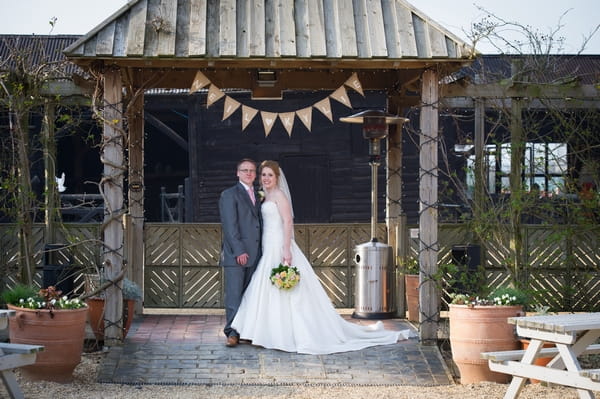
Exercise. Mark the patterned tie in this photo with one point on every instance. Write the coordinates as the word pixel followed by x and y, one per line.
pixel 251 194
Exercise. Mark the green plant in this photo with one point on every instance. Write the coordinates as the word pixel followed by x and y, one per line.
pixel 47 298
pixel 503 296
pixel 19 291
pixel 460 279
pixel 408 265
pixel 541 310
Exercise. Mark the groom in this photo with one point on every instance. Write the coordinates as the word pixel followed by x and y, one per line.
pixel 241 224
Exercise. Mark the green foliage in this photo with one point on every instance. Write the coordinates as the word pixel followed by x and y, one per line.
pixel 47 298
pixel 503 296
pixel 461 280
pixel 509 296
pixel 409 265
pixel 20 291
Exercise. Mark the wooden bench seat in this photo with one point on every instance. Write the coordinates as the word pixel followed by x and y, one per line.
pixel 13 356
pixel 503 356
pixel 19 348
pixel 593 374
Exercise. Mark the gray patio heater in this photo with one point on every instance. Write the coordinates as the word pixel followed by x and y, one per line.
pixel 374 283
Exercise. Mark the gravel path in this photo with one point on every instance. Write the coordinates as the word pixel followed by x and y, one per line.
pixel 84 385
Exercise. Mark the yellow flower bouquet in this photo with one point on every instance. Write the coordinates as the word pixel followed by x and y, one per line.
pixel 285 277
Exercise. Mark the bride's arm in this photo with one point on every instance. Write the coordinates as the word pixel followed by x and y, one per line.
pixel 285 210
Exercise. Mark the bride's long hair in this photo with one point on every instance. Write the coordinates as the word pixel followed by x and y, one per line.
pixel 281 180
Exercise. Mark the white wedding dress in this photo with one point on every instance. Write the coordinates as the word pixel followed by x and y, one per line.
pixel 302 319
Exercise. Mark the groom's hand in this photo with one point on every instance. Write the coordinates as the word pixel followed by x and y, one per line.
pixel 242 259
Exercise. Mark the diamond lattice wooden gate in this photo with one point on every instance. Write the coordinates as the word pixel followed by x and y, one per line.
pixel 182 262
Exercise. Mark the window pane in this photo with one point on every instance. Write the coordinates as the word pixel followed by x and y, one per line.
pixel 557 158
pixel 539 158
pixel 505 184
pixel 491 166
pixel 528 160
pixel 505 158
pixel 555 185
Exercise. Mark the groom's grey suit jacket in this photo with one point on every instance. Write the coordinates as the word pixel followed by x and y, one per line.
pixel 241 224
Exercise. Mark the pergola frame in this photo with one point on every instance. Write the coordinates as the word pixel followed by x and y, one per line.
pixel 392 47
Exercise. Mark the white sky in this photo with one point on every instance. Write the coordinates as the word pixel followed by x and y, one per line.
pixel 81 16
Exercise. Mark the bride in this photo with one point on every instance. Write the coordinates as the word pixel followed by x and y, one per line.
pixel 303 318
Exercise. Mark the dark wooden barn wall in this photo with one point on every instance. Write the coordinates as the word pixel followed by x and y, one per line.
pixel 327 168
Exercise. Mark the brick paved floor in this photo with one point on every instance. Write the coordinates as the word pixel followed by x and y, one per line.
pixel 189 349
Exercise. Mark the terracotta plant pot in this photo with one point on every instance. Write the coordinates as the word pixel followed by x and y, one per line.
pixel 96 316
pixel 540 361
pixel 478 329
pixel 411 286
pixel 62 334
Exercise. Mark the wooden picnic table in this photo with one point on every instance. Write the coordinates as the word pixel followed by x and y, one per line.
pixel 13 356
pixel 572 335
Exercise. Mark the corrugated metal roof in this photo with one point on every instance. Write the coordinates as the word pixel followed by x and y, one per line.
pixel 584 69
pixel 35 50
pixel 262 29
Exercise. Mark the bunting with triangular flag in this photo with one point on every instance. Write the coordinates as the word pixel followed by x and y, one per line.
pixel 200 82
pixel 287 118
pixel 214 94
pixel 269 118
pixel 248 113
pixel 230 107
pixel 325 107
pixel 305 115
pixel 354 83
pixel 341 96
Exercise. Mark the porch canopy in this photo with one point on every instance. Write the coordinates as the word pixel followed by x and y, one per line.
pixel 296 45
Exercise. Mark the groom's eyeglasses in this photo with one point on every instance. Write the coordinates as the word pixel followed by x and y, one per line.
pixel 247 170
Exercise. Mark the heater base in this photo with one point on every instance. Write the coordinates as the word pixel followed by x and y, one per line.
pixel 373 316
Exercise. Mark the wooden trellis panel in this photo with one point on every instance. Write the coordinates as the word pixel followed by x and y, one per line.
pixel 83 251
pixel 194 279
pixel 181 261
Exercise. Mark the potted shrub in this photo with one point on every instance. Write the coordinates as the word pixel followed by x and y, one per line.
pixel 480 325
pixel 131 293
pixel 410 269
pixel 45 317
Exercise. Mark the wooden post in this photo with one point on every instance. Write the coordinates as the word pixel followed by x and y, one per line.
pixel 517 152
pixel 480 167
pixel 49 172
pixel 479 142
pixel 112 188
pixel 135 235
pixel 428 213
pixel 394 204
pixel 194 140
pixel 402 251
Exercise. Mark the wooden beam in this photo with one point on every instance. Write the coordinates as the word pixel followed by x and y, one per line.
pixel 316 79
pixel 366 64
pixel 428 213
pixel 170 133
pixel 506 103
pixel 531 91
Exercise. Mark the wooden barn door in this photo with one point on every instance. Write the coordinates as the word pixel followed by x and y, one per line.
pixel 308 178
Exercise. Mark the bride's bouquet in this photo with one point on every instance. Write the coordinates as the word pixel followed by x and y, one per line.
pixel 285 277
